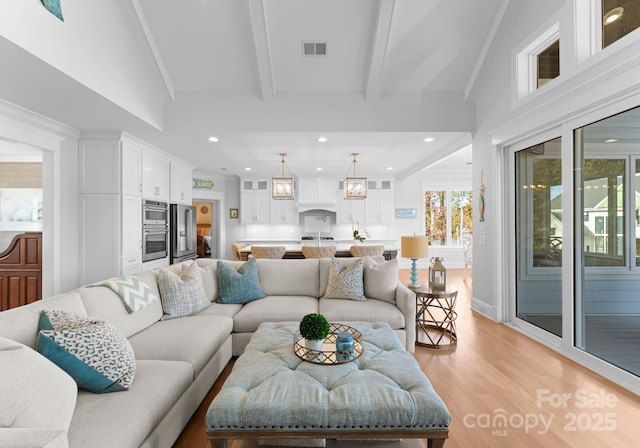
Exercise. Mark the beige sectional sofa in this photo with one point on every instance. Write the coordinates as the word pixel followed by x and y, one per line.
pixel 177 360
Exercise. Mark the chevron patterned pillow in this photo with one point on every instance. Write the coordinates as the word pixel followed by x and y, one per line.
pixel 134 293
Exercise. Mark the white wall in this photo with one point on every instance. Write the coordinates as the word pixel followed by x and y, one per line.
pixel 604 84
pixel 93 45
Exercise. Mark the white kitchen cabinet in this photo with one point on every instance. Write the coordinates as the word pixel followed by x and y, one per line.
pixel 254 201
pixel 181 183
pixel 284 212
pixel 379 202
pixel 110 236
pixel 349 211
pixel 131 228
pixel 316 190
pixel 110 165
pixel 155 175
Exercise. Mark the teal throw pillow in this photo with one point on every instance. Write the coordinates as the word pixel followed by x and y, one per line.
pixel 92 351
pixel 239 286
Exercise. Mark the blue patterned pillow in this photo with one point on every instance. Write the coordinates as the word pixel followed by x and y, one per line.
pixel 345 282
pixel 92 351
pixel 239 286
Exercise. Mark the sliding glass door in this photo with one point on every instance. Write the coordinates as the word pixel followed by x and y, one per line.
pixel 538 231
pixel 607 205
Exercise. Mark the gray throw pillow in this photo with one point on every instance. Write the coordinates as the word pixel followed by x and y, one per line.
pixel 380 279
pixel 181 295
pixel 345 282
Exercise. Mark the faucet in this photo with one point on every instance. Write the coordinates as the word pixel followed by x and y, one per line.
pixel 318 237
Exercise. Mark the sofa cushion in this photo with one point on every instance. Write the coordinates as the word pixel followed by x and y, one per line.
pixel 221 309
pixel 181 294
pixel 21 323
pixel 239 286
pixel 33 438
pixel 92 351
pixel 345 282
pixel 193 339
pixel 289 277
pixel 380 279
pixel 35 393
pixel 125 420
pixel 373 310
pixel 102 303
pixel 135 294
pixel 273 309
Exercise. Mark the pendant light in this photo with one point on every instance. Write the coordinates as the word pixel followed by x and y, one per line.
pixel 283 187
pixel 355 187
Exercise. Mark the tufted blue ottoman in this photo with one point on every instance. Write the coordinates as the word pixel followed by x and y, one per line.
pixel 273 394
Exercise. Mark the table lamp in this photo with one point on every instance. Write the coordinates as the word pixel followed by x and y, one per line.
pixel 414 247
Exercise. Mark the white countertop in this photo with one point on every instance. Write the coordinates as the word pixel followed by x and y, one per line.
pixel 295 247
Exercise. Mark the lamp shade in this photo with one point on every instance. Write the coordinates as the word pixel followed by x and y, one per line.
pixel 414 247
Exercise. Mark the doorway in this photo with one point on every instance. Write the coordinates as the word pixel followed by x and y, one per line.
pixel 207 228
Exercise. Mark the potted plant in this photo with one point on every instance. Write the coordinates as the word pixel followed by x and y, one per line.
pixel 314 328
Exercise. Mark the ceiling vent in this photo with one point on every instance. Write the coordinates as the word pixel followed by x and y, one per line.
pixel 314 48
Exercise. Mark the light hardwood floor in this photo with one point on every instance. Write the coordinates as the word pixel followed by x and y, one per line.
pixel 496 371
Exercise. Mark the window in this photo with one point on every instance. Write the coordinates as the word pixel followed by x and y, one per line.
pixel 538 62
pixel 447 214
pixel 21 209
pixel 619 18
pixel 548 64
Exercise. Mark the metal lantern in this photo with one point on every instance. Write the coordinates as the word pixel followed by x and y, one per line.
pixel 437 274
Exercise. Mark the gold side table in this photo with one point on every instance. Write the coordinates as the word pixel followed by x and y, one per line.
pixel 436 317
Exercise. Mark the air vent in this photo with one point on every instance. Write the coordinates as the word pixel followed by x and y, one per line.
pixel 314 48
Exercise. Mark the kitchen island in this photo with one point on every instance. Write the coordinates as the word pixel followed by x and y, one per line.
pixel 294 251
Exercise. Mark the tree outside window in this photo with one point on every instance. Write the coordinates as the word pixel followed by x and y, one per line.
pixel 447 214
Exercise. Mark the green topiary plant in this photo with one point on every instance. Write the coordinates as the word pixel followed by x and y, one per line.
pixel 314 327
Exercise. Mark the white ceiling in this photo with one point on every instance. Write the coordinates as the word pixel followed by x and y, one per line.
pixel 373 48
pixel 388 61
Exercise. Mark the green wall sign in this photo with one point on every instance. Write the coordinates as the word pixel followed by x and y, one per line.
pixel 203 184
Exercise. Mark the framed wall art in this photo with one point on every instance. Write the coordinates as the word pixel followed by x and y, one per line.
pixel 406 213
pixel 233 213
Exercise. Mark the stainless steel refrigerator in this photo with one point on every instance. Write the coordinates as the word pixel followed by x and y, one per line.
pixel 183 233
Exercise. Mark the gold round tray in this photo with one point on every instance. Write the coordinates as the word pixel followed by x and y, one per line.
pixel 328 354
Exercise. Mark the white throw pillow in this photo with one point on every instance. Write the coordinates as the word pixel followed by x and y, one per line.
pixel 380 279
pixel 345 282
pixel 182 295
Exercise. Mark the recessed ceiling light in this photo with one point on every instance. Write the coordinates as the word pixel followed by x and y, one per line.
pixel 429 139
pixel 319 168
pixel 613 15
pixel 213 139
pixel 322 139
pixel 389 168
pixel 247 169
pixel 611 140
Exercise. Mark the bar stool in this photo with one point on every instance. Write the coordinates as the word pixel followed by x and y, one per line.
pixel 268 251
pixel 235 247
pixel 367 250
pixel 318 251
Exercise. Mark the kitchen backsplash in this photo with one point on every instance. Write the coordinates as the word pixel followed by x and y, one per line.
pixel 295 232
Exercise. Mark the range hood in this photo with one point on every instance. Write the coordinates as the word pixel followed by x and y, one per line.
pixel 320 206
